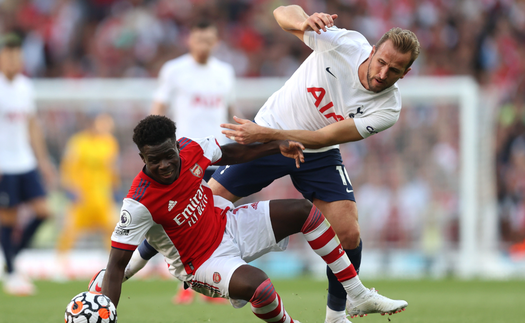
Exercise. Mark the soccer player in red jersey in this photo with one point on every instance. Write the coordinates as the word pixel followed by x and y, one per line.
pixel 206 241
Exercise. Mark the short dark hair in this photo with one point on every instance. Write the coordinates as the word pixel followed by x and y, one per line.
pixel 203 24
pixel 10 40
pixel 153 130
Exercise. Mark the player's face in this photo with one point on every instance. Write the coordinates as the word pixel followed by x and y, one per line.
pixel 11 61
pixel 201 43
pixel 162 161
pixel 387 65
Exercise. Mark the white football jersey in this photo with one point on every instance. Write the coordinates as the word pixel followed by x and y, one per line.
pixel 198 95
pixel 326 89
pixel 16 106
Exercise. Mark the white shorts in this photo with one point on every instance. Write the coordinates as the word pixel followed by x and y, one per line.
pixel 248 236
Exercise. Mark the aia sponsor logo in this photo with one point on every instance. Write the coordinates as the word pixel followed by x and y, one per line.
pixel 327 110
pixel 216 277
pixel 197 171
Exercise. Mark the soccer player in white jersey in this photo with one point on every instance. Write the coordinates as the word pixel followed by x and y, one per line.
pixel 23 155
pixel 344 91
pixel 205 239
pixel 197 90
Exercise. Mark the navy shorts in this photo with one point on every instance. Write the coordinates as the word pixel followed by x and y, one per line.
pixel 322 176
pixel 19 188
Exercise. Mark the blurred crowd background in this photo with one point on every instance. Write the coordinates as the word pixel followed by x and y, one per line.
pixel 406 179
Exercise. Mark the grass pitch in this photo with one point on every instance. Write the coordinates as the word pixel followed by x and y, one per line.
pixel 149 301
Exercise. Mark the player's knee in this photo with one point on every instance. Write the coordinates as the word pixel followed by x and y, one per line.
pixel 349 238
pixel 245 281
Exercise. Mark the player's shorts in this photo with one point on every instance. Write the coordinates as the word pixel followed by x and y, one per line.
pixel 322 176
pixel 19 188
pixel 248 235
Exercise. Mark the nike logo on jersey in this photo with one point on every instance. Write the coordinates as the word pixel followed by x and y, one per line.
pixel 328 70
pixel 171 205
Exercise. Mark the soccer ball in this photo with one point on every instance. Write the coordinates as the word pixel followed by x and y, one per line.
pixel 90 307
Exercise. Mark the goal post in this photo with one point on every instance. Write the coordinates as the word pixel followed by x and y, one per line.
pixel 251 93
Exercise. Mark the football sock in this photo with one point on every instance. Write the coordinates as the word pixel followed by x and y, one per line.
pixel 336 293
pixel 267 305
pixel 6 234
pixel 27 234
pixel 322 239
pixel 146 250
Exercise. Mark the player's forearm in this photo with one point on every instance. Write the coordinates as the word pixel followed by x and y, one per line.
pixel 235 153
pixel 158 108
pixel 38 143
pixel 290 17
pixel 112 285
pixel 310 139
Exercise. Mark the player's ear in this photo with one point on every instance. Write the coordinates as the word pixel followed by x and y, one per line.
pixel 142 157
pixel 373 51
pixel 408 69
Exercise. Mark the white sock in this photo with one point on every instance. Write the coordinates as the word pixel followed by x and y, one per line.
pixel 135 264
pixel 354 288
pixel 334 316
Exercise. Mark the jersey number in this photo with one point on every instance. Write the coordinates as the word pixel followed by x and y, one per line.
pixel 344 177
pixel 318 94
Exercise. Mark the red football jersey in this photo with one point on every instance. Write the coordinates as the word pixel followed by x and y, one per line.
pixel 180 220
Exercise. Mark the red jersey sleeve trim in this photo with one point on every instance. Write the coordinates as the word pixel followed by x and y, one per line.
pixel 123 246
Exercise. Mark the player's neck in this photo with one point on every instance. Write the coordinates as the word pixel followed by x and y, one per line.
pixel 200 60
pixel 9 76
pixel 362 72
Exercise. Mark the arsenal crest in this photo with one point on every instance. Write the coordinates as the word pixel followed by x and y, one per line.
pixel 197 171
pixel 216 277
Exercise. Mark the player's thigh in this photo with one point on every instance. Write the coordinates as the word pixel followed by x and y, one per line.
pixel 251 227
pixel 247 178
pixel 213 277
pixel 288 216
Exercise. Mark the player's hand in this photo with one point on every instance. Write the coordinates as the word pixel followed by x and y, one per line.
pixel 246 131
pixel 292 149
pixel 319 21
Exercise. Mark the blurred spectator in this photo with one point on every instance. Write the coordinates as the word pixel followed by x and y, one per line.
pixel 133 38
pixel 23 155
pixel 90 177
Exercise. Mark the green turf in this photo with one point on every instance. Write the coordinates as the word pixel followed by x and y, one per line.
pixel 150 301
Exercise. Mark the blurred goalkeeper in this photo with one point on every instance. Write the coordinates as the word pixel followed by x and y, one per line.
pixel 344 91
pixel 23 158
pixel 90 176
pixel 206 240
